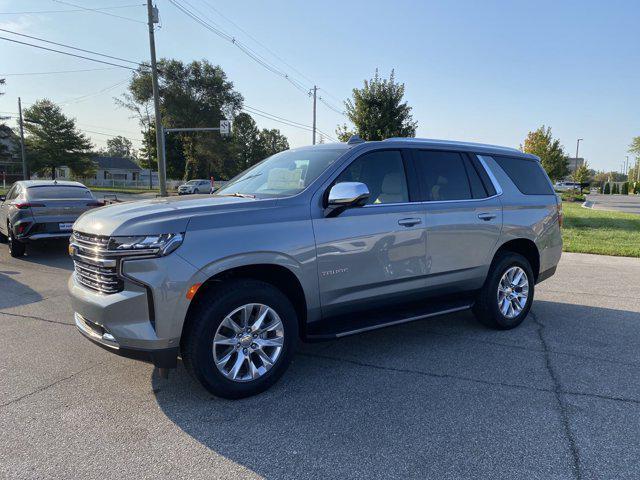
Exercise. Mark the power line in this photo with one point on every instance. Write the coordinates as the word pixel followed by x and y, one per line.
pixel 96 10
pixel 211 7
pixel 245 49
pixel 67 53
pixel 331 107
pixel 88 95
pixel 285 121
pixel 55 72
pixel 71 11
pixel 69 46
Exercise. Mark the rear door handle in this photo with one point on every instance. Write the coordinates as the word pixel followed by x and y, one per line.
pixel 487 216
pixel 409 222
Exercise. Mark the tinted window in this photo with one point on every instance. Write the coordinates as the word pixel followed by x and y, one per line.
pixel 58 192
pixel 383 173
pixel 484 176
pixel 442 176
pixel 527 175
pixel 477 188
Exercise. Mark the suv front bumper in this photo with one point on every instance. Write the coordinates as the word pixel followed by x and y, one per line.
pixel 144 320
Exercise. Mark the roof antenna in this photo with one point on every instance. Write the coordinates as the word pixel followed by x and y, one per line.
pixel 354 139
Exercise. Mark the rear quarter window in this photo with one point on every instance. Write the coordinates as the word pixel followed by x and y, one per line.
pixel 528 175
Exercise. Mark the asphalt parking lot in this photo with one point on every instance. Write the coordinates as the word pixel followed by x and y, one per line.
pixel 558 397
pixel 620 203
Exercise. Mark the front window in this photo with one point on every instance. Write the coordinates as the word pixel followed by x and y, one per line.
pixel 283 174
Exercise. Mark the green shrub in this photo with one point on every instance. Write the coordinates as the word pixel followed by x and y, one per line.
pixel 572 197
pixel 636 188
pixel 607 188
pixel 615 189
pixel 625 188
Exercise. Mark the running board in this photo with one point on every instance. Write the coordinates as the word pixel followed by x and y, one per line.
pixel 450 307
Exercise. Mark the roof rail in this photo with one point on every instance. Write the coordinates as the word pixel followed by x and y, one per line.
pixel 453 143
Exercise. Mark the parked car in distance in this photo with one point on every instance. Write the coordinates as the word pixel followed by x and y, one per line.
pixel 315 243
pixel 41 209
pixel 195 187
pixel 566 186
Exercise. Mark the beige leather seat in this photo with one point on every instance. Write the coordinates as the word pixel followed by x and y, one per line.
pixel 393 189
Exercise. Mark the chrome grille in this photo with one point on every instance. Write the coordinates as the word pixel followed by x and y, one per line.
pixel 92 266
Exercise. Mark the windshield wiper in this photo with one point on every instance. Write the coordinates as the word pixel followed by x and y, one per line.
pixel 237 194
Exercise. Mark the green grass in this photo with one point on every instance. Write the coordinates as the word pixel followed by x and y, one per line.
pixel 601 232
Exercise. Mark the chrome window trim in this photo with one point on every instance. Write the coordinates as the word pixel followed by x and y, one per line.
pixel 492 177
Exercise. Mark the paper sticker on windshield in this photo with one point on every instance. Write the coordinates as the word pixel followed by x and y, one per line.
pixel 284 179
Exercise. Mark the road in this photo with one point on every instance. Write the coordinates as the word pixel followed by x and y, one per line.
pixel 621 203
pixel 559 397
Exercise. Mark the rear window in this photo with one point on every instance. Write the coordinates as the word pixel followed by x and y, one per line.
pixel 526 174
pixel 58 192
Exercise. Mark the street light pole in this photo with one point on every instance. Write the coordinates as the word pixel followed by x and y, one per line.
pixel 577 148
pixel 23 152
pixel 162 170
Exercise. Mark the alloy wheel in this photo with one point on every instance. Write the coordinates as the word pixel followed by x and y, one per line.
pixel 248 342
pixel 513 292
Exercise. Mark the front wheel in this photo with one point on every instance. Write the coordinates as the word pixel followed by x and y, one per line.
pixel 507 294
pixel 16 247
pixel 241 338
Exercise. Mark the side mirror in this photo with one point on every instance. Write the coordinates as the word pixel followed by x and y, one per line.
pixel 345 195
pixel 3 198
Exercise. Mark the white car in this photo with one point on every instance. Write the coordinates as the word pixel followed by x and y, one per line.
pixel 566 186
pixel 195 187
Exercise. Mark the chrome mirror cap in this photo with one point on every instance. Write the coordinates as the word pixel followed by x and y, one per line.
pixel 346 194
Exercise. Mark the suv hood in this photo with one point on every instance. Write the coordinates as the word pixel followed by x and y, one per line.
pixel 159 215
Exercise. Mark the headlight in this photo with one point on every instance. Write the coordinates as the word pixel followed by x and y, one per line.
pixel 153 244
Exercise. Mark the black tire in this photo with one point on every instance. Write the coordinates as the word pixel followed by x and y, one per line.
pixel 196 191
pixel 204 320
pixel 16 247
pixel 486 307
pixel 3 238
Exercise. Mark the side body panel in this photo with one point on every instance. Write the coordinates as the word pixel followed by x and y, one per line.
pixel 534 217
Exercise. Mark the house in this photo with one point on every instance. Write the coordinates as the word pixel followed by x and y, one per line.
pixel 117 168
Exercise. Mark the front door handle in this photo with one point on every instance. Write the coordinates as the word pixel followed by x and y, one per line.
pixel 409 222
pixel 487 216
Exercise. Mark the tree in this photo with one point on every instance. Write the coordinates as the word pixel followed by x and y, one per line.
pixel 541 143
pixel 246 143
pixel 377 111
pixel 582 173
pixel 53 141
pixel 271 142
pixel 197 94
pixel 4 132
pixel 625 188
pixel 120 146
pixel 607 189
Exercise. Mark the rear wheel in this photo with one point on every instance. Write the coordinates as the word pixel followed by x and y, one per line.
pixel 3 238
pixel 16 247
pixel 241 338
pixel 507 294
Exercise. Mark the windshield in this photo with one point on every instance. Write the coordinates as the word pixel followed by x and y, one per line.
pixel 192 182
pixel 283 174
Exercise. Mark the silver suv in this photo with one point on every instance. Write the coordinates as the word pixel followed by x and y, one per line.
pixel 315 243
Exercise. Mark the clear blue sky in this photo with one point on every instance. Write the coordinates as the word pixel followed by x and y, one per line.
pixel 486 71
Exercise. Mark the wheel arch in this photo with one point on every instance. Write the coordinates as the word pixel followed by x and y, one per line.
pixel 525 247
pixel 280 276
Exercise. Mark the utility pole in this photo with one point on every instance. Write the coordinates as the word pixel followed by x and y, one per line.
pixel 315 92
pixel 577 148
pixel 23 152
pixel 162 169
